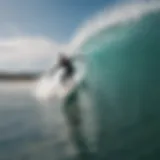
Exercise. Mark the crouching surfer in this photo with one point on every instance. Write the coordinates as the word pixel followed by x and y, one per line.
pixel 67 64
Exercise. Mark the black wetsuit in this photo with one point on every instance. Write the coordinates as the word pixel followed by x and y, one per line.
pixel 69 69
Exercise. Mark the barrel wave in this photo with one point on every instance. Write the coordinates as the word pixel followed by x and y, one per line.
pixel 123 80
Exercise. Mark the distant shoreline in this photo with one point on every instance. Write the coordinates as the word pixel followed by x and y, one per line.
pixel 19 77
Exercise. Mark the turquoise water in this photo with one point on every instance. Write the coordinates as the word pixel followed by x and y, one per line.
pixel 123 75
pixel 114 116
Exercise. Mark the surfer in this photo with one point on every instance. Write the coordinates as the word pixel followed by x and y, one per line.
pixel 67 64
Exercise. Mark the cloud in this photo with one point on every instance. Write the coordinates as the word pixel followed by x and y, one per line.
pixel 27 53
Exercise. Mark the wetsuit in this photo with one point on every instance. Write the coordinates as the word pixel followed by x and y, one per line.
pixel 69 69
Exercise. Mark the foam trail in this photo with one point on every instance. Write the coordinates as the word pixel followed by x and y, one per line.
pixel 46 85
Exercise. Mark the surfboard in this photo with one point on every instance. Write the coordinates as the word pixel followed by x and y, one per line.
pixel 51 86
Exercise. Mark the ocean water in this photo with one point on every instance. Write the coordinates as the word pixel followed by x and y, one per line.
pixel 113 116
pixel 36 130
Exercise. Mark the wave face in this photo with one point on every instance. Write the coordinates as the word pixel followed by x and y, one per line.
pixel 124 80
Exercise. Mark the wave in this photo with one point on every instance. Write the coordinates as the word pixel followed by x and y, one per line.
pixel 121 101
pixel 123 78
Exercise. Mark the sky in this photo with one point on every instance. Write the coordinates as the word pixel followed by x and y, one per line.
pixel 32 31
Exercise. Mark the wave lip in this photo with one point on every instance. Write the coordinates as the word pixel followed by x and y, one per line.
pixel 109 17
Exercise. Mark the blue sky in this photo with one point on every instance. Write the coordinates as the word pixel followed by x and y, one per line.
pixel 31 25
pixel 54 18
